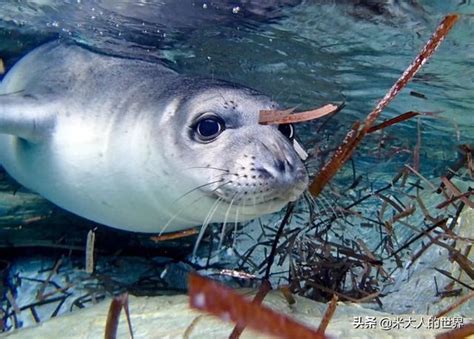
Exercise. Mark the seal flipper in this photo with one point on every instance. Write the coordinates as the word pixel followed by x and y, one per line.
pixel 26 117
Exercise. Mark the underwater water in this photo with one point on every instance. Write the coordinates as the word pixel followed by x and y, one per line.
pixel 304 54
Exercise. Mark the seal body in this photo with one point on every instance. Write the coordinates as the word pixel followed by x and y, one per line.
pixel 136 146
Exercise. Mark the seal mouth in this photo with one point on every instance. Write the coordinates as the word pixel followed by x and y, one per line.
pixel 255 209
pixel 258 204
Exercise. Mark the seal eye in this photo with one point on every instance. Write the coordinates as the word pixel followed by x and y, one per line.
pixel 287 130
pixel 209 128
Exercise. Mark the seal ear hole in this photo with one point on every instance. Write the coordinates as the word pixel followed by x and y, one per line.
pixel 287 130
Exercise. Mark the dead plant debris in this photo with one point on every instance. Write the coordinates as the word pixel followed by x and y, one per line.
pixel 328 315
pixel 464 332
pixel 275 117
pixel 113 316
pixel 175 235
pixel 207 295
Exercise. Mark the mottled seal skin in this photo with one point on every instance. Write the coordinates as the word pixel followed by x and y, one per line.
pixel 121 142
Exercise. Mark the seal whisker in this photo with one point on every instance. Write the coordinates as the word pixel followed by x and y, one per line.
pixel 207 167
pixel 309 199
pixel 275 96
pixel 221 239
pixel 226 183
pixel 185 208
pixel 236 223
pixel 338 213
pixel 321 205
pixel 163 229
pixel 313 208
pixel 222 96
pixel 326 207
pixel 198 187
pixel 205 224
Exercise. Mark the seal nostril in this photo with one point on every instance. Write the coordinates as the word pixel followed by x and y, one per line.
pixel 290 166
pixel 280 165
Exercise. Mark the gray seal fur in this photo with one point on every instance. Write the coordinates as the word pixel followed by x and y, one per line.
pixel 114 140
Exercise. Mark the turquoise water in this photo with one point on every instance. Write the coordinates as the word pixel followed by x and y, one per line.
pixel 304 55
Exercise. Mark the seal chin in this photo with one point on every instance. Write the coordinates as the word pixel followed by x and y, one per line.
pixel 257 210
pixel 298 190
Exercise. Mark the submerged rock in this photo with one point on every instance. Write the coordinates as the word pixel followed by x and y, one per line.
pixel 171 317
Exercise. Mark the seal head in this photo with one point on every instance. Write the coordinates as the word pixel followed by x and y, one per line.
pixel 250 168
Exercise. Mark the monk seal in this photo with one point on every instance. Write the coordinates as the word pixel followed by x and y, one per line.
pixel 137 146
